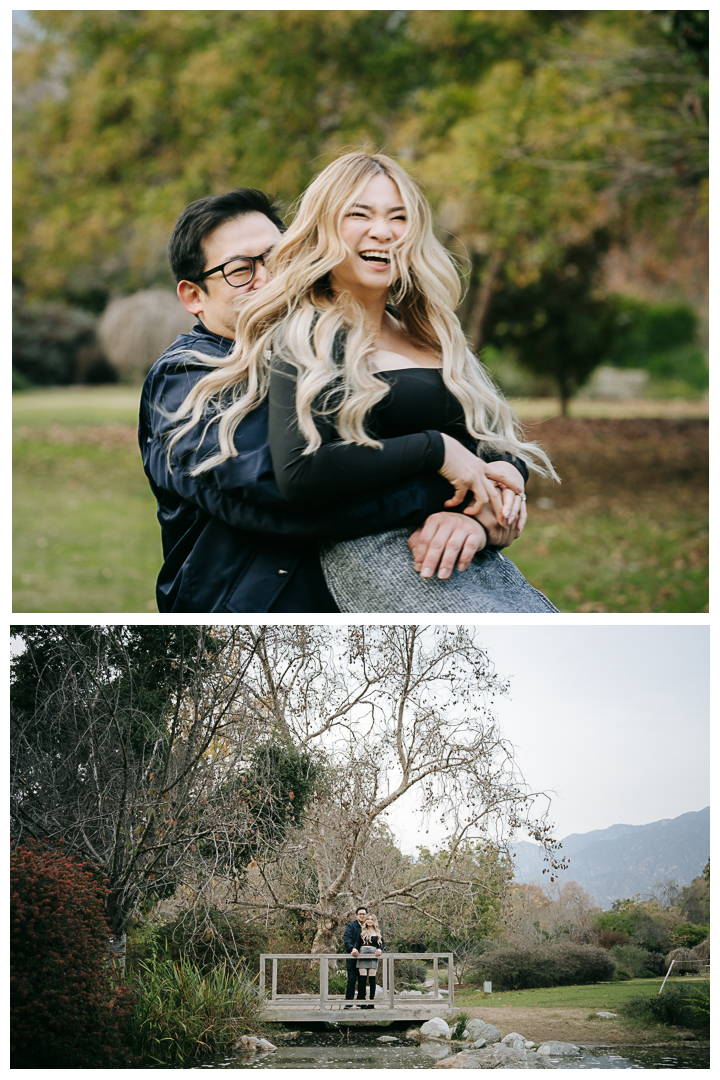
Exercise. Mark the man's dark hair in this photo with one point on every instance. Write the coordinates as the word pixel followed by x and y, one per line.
pixel 361 908
pixel 187 258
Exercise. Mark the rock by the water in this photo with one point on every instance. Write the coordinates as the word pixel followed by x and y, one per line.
pixel 388 1038
pixel 515 1040
pixel 246 1042
pixel 558 1049
pixel 607 1014
pixel 253 1042
pixel 499 1056
pixel 478 1029
pixel 478 1044
pixel 437 1028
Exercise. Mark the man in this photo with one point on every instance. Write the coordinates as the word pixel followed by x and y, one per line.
pixel 348 941
pixel 230 542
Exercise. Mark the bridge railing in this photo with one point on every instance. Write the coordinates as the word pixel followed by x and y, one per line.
pixel 325 999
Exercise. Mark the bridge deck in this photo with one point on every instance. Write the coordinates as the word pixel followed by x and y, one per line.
pixel 336 1013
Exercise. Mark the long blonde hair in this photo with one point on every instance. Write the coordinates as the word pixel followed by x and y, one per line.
pixel 366 934
pixel 298 318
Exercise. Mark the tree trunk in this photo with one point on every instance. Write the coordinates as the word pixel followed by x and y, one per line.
pixel 116 949
pixel 325 940
pixel 481 304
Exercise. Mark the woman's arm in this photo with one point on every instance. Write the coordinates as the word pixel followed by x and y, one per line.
pixel 337 469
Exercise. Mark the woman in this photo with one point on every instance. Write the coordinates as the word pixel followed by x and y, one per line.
pixel 371 382
pixel 366 948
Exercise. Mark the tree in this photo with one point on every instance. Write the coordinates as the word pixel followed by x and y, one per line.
pixel 127 744
pixel 389 711
pixel 65 1011
pixel 557 324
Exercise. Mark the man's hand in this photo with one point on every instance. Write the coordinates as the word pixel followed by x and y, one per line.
pixel 510 479
pixel 446 537
pixel 500 535
pixel 354 953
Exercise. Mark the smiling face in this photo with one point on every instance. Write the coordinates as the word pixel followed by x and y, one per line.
pixel 217 303
pixel 375 221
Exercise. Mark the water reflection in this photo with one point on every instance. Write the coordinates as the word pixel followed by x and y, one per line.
pixel 361 1050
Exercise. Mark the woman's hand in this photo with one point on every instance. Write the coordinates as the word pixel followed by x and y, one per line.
pixel 511 481
pixel 444 538
pixel 378 952
pixel 501 536
pixel 467 472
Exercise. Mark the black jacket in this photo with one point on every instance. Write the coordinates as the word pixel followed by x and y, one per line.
pixel 351 932
pixel 231 543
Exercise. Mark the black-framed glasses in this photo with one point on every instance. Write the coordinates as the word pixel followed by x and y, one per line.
pixel 238 271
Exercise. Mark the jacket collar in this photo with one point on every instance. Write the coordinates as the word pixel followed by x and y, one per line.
pixel 209 335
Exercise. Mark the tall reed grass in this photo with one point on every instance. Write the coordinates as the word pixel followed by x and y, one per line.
pixel 183 1013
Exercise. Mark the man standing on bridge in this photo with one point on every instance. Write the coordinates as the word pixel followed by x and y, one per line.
pixel 351 930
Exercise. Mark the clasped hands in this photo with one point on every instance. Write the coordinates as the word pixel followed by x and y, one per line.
pixel 449 537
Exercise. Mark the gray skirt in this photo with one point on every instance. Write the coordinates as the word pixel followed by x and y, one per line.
pixel 376 574
pixel 367 957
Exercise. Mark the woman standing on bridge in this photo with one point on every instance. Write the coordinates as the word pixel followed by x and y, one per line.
pixel 368 940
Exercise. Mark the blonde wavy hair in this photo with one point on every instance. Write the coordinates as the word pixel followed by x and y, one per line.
pixel 297 317
pixel 366 934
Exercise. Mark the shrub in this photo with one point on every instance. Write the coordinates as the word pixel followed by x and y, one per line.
pixel 686 962
pixel 631 957
pixel 654 965
pixel 688 934
pixel 54 345
pixel 563 964
pixel 688 1005
pixel 183 1012
pixel 65 1010
pixel 410 973
pixel 206 936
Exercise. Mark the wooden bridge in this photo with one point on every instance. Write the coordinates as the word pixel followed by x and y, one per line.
pixel 390 1004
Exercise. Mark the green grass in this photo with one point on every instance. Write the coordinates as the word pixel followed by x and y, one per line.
pixel 628 561
pixel 627 531
pixel 85 533
pixel 609 996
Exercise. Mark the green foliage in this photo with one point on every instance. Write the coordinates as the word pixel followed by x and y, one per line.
pixel 65 1010
pixel 518 121
pixel 688 934
pixel 562 964
pixel 275 788
pixel 556 324
pixel 410 974
pixel 659 338
pixel 183 1013
pixel 688 1006
pixel 205 936
pixel 54 344
pixel 459 1025
pixel 631 958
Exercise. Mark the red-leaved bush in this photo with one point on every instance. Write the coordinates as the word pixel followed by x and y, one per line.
pixel 66 1010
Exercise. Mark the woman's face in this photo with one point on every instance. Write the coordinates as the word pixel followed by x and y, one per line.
pixel 372 224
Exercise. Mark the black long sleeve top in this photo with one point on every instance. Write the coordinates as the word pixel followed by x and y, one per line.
pixel 410 420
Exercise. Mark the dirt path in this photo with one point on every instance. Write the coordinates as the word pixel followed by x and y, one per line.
pixel 565 1025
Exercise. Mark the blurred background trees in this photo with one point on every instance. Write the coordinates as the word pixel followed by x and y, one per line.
pixel 534 132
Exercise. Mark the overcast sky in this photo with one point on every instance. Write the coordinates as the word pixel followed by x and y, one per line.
pixel 615 720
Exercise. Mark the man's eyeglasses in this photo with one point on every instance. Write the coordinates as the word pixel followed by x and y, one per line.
pixel 238 271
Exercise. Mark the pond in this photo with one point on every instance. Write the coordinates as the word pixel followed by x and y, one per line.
pixel 355 1049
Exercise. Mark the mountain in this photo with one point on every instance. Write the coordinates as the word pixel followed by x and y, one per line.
pixel 626 859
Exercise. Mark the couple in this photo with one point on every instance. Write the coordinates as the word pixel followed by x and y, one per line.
pixel 362 939
pixel 322 418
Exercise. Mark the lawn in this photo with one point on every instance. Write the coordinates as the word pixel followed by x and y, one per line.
pixel 610 996
pixel 626 531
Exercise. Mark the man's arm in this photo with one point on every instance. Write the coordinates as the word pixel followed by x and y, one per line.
pixel 242 491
